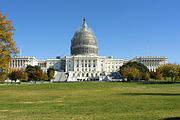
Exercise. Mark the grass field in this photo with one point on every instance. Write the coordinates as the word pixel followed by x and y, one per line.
pixel 90 101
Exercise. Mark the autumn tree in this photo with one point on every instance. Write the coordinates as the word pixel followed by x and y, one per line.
pixel 7 45
pixel 142 69
pixel 24 77
pixel 16 75
pixel 50 73
pixel 168 70
pixel 37 75
pixel 147 76
pixel 45 76
pixel 130 73
pixel 3 77
pixel 177 75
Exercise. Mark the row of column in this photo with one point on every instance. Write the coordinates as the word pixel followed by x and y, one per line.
pixel 18 63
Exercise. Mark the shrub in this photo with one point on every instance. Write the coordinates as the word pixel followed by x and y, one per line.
pixel 3 77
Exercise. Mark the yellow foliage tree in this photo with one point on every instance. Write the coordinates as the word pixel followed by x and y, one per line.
pixel 147 77
pixel 130 73
pixel 7 45
pixel 168 70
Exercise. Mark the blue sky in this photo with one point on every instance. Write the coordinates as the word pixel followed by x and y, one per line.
pixel 124 28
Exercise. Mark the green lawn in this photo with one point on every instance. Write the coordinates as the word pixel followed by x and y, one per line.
pixel 89 101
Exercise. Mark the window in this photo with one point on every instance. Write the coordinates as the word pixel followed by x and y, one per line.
pixel 91 75
pixel 94 65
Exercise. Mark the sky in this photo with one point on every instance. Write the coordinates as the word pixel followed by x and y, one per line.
pixel 124 28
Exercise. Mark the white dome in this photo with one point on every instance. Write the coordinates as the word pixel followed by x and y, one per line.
pixel 84 42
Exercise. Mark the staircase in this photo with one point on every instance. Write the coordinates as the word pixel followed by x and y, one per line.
pixel 60 77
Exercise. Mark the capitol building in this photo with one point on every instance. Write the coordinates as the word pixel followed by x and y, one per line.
pixel 84 63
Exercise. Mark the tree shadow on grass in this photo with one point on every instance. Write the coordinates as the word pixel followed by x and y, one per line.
pixel 162 94
pixel 171 118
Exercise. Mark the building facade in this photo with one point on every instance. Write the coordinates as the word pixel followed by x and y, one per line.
pixel 151 62
pixel 23 62
pixel 85 63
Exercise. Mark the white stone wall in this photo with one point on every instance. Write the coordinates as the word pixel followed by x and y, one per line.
pixel 53 63
pixel 23 62
pixel 113 65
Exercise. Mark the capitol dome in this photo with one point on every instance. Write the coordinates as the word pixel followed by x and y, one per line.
pixel 84 42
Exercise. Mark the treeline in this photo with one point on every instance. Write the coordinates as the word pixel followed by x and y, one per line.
pixel 31 73
pixel 138 71
pixel 171 71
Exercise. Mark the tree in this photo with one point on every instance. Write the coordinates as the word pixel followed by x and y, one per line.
pixel 7 45
pixel 153 75
pixel 16 75
pixel 33 68
pixel 158 76
pixel 142 68
pixel 147 77
pixel 177 75
pixel 24 76
pixel 3 77
pixel 50 73
pixel 35 75
pixel 130 73
pixel 45 76
pixel 139 66
pixel 168 70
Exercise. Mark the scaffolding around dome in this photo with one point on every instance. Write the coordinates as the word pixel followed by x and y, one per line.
pixel 84 42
